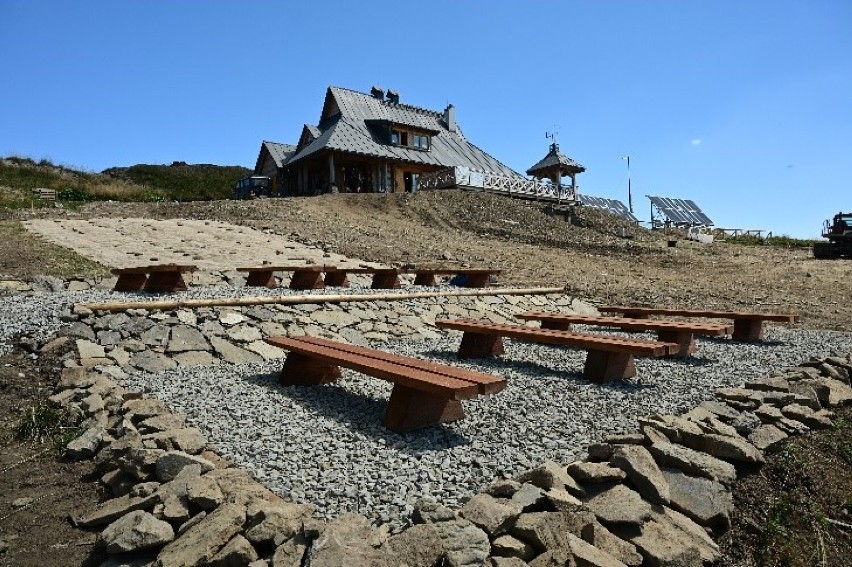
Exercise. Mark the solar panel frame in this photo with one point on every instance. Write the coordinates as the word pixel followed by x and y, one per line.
pixel 613 206
pixel 681 211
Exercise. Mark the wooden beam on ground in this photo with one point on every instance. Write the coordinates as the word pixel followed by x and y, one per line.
pixel 170 304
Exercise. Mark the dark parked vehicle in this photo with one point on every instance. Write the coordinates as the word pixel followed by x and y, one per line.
pixel 252 187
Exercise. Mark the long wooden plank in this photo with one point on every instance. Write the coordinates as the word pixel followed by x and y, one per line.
pixel 182 268
pixel 780 317
pixel 563 338
pixel 451 271
pixel 487 383
pixel 450 388
pixel 711 329
pixel 306 268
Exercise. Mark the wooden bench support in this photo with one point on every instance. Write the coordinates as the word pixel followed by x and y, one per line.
pixel 130 282
pixel 425 278
pixel 556 325
pixel 685 340
pixel 478 280
pixel 602 366
pixel 302 370
pixel 748 330
pixel 410 409
pixel 336 278
pixel 307 280
pixel 261 278
pixel 165 281
pixel 477 345
pixel 386 280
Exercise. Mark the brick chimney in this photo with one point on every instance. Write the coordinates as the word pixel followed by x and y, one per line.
pixel 450 118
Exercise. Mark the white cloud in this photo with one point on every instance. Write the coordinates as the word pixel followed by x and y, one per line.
pixel 696 142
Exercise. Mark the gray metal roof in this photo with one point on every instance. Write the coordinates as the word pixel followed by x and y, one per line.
pixel 556 158
pixel 280 153
pixel 351 131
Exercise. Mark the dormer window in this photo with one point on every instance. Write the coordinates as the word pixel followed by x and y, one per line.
pixel 406 139
pixel 421 141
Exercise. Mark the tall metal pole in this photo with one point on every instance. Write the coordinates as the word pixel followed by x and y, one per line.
pixel 629 191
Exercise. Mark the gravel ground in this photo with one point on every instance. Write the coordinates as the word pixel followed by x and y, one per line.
pixel 327 445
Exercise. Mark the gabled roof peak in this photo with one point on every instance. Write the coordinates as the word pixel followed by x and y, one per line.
pixel 389 103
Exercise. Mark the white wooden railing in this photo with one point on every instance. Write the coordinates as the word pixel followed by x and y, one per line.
pixel 467 178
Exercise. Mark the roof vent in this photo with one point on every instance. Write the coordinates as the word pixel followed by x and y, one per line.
pixel 393 96
pixel 378 92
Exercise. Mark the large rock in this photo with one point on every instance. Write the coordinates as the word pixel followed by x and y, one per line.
pixel 237 553
pixel 136 531
pixel 238 486
pixel 642 472
pixel 153 362
pixel 418 546
pixel 274 521
pixel 89 349
pixel 491 514
pixel 542 530
pixel 509 546
pixel 346 541
pixel 586 555
pixel 86 445
pixel 705 501
pixel 670 538
pixel 142 409
pixel 551 475
pixel 464 544
pixel 804 414
pixel 620 505
pixel 185 338
pixel 595 473
pixel 727 447
pixel 767 438
pixel 163 422
pixel 114 509
pixel 291 553
pixel 597 535
pixel 200 543
pixel 171 463
pixel 204 493
pixel 693 462
pixel 232 353
pixel 187 439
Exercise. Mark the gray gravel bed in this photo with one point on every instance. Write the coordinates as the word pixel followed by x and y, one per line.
pixel 327 445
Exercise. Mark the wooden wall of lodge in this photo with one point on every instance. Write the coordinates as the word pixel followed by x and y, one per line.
pixel 309 178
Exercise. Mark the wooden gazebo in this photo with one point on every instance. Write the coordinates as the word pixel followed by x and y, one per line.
pixel 556 165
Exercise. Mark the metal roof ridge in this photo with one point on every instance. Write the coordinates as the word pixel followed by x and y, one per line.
pixel 435 113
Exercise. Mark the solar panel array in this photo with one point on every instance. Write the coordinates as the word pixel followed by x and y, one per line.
pixel 613 206
pixel 681 211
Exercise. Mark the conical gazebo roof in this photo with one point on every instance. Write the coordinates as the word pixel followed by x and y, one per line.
pixel 555 160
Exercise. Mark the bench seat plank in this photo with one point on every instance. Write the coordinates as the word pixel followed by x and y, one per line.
pixel 748 325
pixel 679 332
pixel 423 394
pixel 608 358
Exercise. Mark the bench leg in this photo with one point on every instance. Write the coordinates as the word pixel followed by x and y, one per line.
pixel 336 278
pixel 386 281
pixel 306 280
pixel 477 280
pixel 556 325
pixel 165 281
pixel 412 409
pixel 302 370
pixel 261 279
pixel 748 330
pixel 130 282
pixel 602 366
pixel 477 345
pixel 424 279
pixel 685 341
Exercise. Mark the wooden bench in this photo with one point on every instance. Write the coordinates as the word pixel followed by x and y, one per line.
pixel 424 393
pixel 748 326
pixel 383 278
pixel 304 277
pixel 667 331
pixel 608 358
pixel 476 277
pixel 154 278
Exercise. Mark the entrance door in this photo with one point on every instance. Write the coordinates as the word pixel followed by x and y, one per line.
pixel 411 181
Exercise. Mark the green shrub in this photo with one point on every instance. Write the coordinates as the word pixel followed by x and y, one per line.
pixel 42 422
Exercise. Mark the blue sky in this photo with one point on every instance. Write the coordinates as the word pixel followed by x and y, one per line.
pixel 744 107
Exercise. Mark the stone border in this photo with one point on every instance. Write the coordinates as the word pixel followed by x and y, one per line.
pixel 648 498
